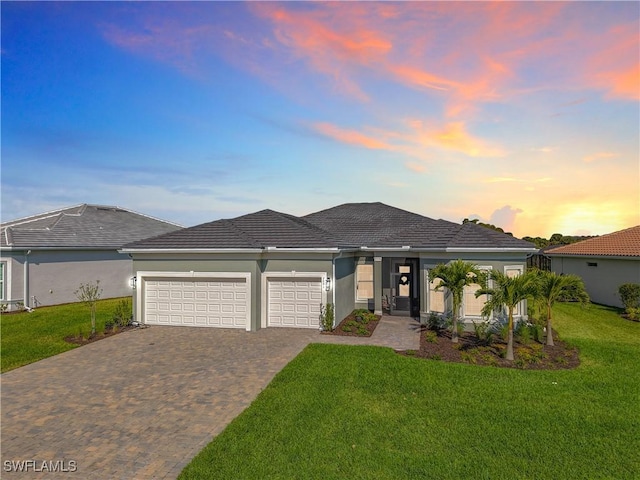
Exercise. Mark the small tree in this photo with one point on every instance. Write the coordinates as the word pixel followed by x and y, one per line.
pixel 455 276
pixel 553 287
pixel 630 295
pixel 326 317
pixel 89 294
pixel 507 292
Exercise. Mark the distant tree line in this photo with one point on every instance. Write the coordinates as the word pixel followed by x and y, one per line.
pixel 555 239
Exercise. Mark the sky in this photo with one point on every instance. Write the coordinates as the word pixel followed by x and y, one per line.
pixel 521 114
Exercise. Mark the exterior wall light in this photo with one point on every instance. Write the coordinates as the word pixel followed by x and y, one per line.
pixel 327 284
pixel 133 281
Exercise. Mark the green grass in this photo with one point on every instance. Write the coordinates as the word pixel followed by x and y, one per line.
pixel 29 337
pixel 365 412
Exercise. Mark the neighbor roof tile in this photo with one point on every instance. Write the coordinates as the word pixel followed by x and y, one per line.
pixel 623 243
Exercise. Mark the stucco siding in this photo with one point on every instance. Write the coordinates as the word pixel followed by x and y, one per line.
pixel 54 275
pixel 254 264
pixel 601 276
pixel 345 288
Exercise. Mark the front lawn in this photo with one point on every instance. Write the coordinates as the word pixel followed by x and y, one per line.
pixel 366 412
pixel 29 337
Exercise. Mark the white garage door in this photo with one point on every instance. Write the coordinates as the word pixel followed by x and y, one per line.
pixel 294 302
pixel 199 303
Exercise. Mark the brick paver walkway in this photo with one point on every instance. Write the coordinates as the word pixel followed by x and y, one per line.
pixel 142 404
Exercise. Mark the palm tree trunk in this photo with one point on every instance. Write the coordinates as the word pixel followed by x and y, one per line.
pixel 510 340
pixel 454 325
pixel 549 331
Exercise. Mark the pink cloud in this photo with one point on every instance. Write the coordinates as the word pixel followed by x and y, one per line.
pixel 350 137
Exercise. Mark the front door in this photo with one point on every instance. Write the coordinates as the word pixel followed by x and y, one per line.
pixel 402 289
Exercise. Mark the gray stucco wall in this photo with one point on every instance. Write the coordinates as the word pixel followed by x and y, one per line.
pixel 601 281
pixel 255 264
pixel 54 276
pixel 345 288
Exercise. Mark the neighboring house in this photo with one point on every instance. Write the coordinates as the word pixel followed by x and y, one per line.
pixel 272 269
pixel 44 258
pixel 604 263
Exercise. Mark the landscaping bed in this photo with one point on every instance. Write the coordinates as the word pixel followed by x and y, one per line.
pixel 84 340
pixel 437 345
pixel 359 323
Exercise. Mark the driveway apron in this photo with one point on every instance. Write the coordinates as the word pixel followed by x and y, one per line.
pixel 143 403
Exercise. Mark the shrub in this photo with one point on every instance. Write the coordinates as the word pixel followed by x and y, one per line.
pixel 633 313
pixel 326 317
pixel 431 336
pixel 484 331
pixel 630 295
pixel 434 322
pixel 122 315
pixel 523 333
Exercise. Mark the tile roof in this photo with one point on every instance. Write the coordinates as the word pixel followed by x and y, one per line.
pixel 262 229
pixel 624 243
pixel 354 225
pixel 81 226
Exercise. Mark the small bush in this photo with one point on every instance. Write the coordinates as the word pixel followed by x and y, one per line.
pixel 122 315
pixel 630 295
pixel 484 331
pixel 523 333
pixel 434 322
pixel 327 317
pixel 431 336
pixel 633 313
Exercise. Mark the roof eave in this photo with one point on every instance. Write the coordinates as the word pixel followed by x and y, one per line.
pixel 589 255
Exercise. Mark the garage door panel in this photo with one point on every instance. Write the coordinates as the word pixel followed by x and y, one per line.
pixel 294 303
pixel 212 303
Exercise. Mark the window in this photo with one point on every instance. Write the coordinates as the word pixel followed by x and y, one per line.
pixel 472 306
pixel 2 281
pixel 436 297
pixel 364 282
pixel 513 271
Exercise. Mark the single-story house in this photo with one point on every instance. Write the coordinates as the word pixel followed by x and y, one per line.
pixel 604 263
pixel 271 269
pixel 44 258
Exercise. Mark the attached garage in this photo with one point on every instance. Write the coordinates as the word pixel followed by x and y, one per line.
pixel 294 301
pixel 204 301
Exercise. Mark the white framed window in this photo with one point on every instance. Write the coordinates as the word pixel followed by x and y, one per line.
pixel 364 282
pixel 514 271
pixel 472 306
pixel 436 297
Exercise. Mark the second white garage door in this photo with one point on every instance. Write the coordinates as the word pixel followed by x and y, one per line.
pixel 294 302
pixel 199 303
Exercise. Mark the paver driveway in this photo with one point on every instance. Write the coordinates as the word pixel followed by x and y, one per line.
pixel 142 404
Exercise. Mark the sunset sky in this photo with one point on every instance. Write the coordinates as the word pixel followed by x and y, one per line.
pixel 524 115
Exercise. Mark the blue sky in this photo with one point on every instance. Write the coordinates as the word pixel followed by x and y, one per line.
pixel 521 114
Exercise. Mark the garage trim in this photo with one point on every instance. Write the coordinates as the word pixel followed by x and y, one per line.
pixel 142 277
pixel 264 287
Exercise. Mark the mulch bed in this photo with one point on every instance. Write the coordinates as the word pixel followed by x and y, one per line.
pixel 81 340
pixel 362 330
pixel 532 356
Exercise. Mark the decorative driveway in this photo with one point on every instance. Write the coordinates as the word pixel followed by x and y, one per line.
pixel 143 403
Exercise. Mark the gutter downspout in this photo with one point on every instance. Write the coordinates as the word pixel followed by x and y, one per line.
pixel 26 281
pixel 333 285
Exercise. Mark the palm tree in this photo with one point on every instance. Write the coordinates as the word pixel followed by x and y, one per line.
pixel 554 287
pixel 508 292
pixel 454 276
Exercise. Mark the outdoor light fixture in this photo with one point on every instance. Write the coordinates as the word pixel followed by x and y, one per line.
pixel 327 284
pixel 133 282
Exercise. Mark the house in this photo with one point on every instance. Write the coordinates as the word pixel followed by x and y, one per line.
pixel 44 258
pixel 604 263
pixel 271 269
